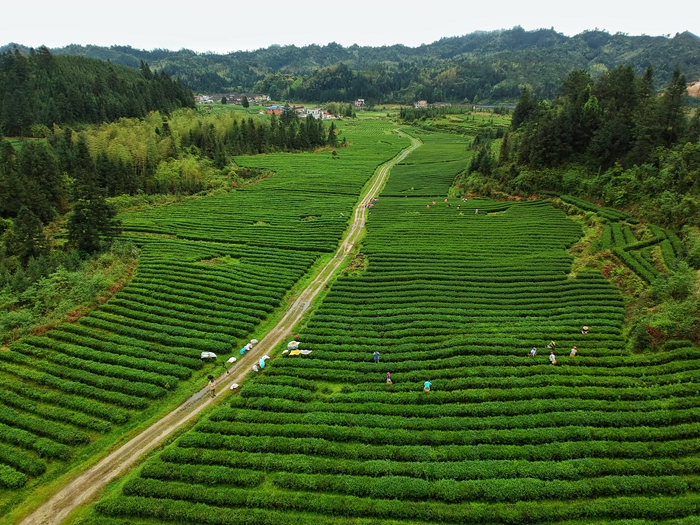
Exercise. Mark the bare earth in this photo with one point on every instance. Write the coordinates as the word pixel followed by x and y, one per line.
pixel 83 488
pixel 694 89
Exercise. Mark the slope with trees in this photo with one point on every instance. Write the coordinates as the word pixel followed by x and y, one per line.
pixel 487 65
pixel 39 89
pixel 611 140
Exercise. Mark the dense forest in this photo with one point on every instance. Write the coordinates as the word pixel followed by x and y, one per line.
pixel 480 66
pixel 611 140
pixel 39 89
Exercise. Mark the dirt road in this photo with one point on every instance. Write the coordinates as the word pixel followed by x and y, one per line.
pixel 88 484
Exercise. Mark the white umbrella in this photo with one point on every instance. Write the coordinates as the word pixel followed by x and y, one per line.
pixel 231 360
pixel 253 341
pixel 206 355
pixel 234 386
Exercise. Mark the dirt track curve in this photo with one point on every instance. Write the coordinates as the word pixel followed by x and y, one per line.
pixel 86 485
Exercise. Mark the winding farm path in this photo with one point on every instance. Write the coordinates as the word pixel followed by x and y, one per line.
pixel 86 485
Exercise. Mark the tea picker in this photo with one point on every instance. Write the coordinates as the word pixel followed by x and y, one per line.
pixel 212 386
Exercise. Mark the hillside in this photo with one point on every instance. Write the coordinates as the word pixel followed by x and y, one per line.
pixel 38 88
pixel 450 291
pixel 487 65
pixel 453 294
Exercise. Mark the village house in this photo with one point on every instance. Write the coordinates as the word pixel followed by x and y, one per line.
pixel 359 102
pixel 421 104
pixel 232 98
pixel 316 113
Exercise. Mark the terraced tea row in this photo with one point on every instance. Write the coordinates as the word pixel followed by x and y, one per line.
pixel 68 387
pixel 430 170
pixel 305 205
pixel 637 254
pixel 456 298
pixel 68 393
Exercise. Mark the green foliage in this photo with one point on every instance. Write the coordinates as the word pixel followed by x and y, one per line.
pixel 410 115
pixel 446 156
pixel 457 297
pixel 93 222
pixel 27 239
pixel 55 284
pixel 10 478
pixel 40 89
pixel 478 66
pixel 91 376
pixel 31 176
pixel 615 142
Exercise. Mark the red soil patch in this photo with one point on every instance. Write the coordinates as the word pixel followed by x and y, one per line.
pixel 694 89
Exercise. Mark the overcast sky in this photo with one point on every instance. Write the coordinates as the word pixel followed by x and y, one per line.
pixel 235 25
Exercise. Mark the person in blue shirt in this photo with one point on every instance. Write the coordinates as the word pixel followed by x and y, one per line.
pixel 426 386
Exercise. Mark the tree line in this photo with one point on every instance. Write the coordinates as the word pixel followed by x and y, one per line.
pixel 39 89
pixel 185 153
pixel 491 66
pixel 611 140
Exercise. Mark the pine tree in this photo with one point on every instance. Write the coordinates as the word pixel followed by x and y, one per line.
pixel 525 109
pixel 332 138
pixel 93 220
pixel 28 238
pixel 9 185
pixel 220 158
pixel 672 115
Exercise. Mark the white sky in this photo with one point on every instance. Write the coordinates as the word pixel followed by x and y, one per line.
pixel 225 26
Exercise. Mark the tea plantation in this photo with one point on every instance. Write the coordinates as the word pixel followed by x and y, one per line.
pixel 456 294
pixel 210 271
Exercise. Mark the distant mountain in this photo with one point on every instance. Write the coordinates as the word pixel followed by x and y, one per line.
pixel 487 65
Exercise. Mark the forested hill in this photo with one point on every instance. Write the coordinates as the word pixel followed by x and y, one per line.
pixel 38 89
pixel 488 65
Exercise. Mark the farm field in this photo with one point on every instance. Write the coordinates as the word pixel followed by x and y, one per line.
pixel 208 275
pixel 454 293
pixel 469 124
pixel 429 170
pixel 646 252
